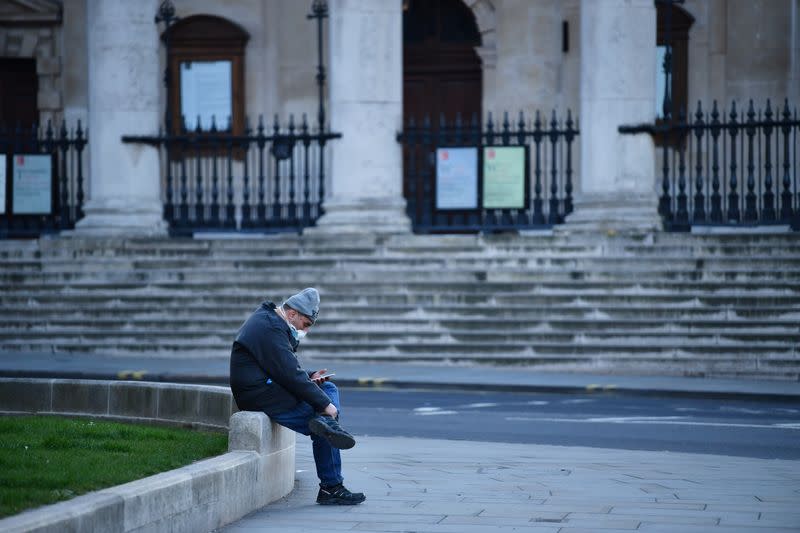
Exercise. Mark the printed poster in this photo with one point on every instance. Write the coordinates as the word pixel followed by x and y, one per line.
pixel 504 177
pixel 206 92
pixel 456 178
pixel 32 186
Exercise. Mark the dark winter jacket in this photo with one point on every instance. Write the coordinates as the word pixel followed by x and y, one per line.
pixel 265 374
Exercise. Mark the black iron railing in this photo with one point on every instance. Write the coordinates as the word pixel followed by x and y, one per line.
pixel 728 167
pixel 548 172
pixel 57 205
pixel 267 180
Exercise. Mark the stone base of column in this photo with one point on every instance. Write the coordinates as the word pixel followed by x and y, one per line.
pixel 610 214
pixel 368 215
pixel 120 218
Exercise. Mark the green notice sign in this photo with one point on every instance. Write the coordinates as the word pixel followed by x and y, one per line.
pixel 504 177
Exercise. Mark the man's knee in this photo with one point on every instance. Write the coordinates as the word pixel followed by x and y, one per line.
pixel 328 386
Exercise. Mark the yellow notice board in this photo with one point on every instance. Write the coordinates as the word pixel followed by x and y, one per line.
pixel 504 177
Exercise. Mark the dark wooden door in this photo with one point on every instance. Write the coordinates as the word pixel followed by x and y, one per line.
pixel 441 70
pixel 19 85
pixel 441 75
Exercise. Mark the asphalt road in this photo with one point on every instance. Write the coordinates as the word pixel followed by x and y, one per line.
pixel 673 414
pixel 738 428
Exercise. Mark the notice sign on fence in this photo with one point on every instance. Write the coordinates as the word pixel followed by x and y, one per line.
pixel 504 177
pixel 32 186
pixel 2 184
pixel 456 178
pixel 206 93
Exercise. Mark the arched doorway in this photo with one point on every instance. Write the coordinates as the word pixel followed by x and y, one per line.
pixel 441 70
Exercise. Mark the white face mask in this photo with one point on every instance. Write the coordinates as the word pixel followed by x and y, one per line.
pixel 298 334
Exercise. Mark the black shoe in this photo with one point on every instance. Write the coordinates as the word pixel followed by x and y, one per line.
pixel 328 428
pixel 338 495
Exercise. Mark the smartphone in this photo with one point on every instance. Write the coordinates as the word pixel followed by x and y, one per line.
pixel 327 375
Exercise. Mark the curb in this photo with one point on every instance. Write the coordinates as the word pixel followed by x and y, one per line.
pixel 386 383
pixel 596 389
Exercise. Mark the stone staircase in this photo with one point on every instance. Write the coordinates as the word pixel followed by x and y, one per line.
pixel 721 305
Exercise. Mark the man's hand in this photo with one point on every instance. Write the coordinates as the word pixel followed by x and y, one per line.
pixel 318 376
pixel 331 411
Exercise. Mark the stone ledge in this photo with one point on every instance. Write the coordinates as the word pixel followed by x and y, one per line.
pixel 202 406
pixel 259 467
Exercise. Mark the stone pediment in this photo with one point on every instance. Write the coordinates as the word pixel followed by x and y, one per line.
pixel 30 11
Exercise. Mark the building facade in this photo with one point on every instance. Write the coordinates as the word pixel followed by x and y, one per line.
pixel 386 62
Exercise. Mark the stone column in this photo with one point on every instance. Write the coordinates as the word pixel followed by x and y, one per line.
pixel 617 180
pixel 366 106
pixel 793 81
pixel 124 77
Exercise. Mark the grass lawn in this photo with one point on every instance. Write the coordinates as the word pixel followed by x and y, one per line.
pixel 45 459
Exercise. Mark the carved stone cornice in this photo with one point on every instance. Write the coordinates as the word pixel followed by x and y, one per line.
pixel 30 12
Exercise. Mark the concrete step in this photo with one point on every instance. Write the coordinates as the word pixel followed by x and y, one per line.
pixel 58 307
pixel 245 261
pixel 743 278
pixel 220 342
pixel 381 283
pixel 408 245
pixel 173 319
pixel 400 272
pixel 708 305
pixel 384 337
pixel 604 358
pixel 587 301
pixel 689 250
pixel 565 252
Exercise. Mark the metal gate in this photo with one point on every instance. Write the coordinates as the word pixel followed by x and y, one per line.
pixel 267 180
pixel 544 174
pixel 728 167
pixel 42 185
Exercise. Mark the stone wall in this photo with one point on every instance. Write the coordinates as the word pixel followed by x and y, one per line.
pixel 281 55
pixel 36 33
pixel 533 72
pixel 742 49
pixel 739 49
pixel 75 61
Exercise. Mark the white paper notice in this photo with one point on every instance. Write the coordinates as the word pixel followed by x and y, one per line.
pixel 456 178
pixel 2 184
pixel 206 92
pixel 32 190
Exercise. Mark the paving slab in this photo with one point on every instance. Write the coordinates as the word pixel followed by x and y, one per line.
pixel 439 486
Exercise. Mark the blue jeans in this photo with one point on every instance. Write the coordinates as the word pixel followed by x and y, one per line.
pixel 326 457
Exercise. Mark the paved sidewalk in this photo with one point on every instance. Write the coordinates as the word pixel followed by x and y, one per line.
pixel 409 375
pixel 436 486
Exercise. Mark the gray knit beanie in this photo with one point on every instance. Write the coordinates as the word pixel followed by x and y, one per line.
pixel 306 302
